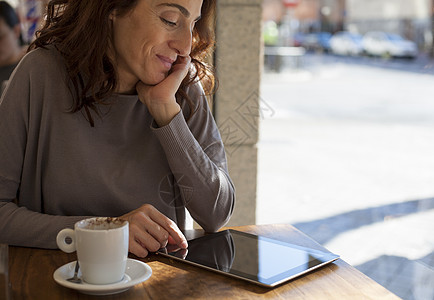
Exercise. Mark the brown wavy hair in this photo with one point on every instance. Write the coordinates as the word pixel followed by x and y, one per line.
pixel 81 31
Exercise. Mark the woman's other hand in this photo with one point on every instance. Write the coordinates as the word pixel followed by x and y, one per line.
pixel 150 230
pixel 160 99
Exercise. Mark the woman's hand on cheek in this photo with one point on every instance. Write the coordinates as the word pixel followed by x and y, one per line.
pixel 160 99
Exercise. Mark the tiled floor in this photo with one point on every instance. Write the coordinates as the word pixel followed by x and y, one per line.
pixel 407 278
pixel 347 156
pixel 410 279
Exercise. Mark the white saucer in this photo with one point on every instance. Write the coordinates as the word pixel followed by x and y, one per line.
pixel 135 273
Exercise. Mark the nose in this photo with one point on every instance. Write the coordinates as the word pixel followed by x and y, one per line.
pixel 182 42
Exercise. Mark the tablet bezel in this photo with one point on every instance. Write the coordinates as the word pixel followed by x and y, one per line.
pixel 326 258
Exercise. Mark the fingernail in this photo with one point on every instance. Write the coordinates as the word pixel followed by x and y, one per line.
pixel 184 245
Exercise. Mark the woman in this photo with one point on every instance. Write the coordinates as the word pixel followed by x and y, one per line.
pixel 11 50
pixel 106 117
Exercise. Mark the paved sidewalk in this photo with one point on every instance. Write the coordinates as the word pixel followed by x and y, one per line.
pixel 347 157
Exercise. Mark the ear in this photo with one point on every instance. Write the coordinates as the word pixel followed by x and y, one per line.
pixel 17 30
pixel 113 15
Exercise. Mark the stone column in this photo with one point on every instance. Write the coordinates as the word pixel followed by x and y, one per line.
pixel 238 60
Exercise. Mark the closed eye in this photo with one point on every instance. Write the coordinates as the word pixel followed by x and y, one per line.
pixel 169 23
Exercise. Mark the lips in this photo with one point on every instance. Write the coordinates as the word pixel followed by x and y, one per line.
pixel 167 62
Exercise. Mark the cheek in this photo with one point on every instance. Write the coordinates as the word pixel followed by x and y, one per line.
pixel 138 47
pixel 4 47
pixel 124 36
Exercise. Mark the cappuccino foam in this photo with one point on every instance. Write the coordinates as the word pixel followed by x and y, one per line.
pixel 104 223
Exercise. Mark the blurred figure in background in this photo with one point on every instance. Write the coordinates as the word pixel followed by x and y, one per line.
pixel 11 43
pixel 271 39
pixel 271 34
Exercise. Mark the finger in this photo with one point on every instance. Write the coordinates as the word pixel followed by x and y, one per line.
pixel 177 73
pixel 183 253
pixel 165 91
pixel 182 64
pixel 158 233
pixel 171 84
pixel 171 241
pixel 172 248
pixel 175 234
pixel 149 233
pixel 148 241
pixel 137 249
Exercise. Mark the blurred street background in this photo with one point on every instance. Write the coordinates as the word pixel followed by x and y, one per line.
pixel 346 147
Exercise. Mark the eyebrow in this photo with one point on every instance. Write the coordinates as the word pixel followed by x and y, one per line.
pixel 181 8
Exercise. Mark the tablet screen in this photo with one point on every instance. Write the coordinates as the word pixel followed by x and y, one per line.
pixel 254 258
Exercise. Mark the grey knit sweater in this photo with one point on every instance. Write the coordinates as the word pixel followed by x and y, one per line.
pixel 55 169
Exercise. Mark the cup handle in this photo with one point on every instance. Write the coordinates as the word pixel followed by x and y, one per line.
pixel 61 240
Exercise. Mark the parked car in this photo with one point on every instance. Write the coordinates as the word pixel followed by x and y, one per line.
pixel 378 43
pixel 318 41
pixel 346 43
pixel 299 39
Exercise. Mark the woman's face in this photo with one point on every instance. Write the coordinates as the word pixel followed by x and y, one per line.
pixel 149 39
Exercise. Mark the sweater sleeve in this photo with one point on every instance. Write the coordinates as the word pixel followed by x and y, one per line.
pixel 196 156
pixel 20 226
pixel 22 221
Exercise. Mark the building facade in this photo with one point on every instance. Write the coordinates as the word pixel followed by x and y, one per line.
pixel 411 19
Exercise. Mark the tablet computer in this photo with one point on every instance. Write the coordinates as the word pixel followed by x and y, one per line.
pixel 258 259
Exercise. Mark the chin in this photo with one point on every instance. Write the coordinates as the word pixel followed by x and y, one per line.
pixel 154 80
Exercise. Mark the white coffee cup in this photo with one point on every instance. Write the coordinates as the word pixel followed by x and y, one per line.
pixel 102 248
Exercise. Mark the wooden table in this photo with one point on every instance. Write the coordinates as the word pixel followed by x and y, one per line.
pixel 31 276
